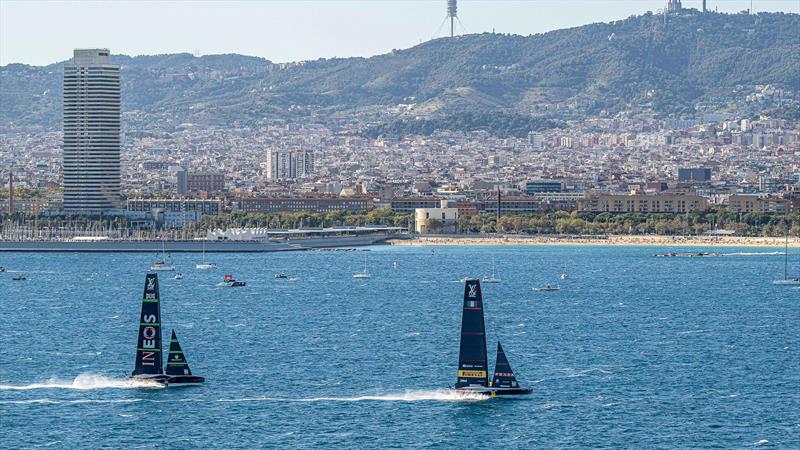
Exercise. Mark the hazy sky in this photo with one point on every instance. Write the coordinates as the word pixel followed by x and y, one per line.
pixel 44 32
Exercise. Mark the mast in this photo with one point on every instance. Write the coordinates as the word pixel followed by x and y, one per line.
pixel 148 348
pixel 786 258
pixel 473 365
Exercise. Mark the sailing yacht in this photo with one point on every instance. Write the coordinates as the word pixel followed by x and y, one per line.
pixel 363 274
pixel 491 278
pixel 473 363
pixel 205 265
pixel 149 363
pixel 787 281
pixel 162 266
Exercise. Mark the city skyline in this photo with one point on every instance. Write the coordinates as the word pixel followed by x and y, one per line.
pixel 270 30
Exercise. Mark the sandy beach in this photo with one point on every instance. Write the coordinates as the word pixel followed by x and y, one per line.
pixel 622 240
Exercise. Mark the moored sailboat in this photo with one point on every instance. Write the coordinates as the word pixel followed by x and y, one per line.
pixel 205 265
pixel 787 280
pixel 473 363
pixel 177 366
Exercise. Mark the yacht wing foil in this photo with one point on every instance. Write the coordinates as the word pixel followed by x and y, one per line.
pixel 149 364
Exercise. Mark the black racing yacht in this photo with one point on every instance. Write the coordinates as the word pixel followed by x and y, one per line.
pixel 149 365
pixel 149 361
pixel 177 366
pixel 473 364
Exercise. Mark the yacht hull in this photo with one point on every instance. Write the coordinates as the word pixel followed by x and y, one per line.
pixel 185 379
pixel 496 391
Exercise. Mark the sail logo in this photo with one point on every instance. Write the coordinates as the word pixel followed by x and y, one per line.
pixel 151 284
pixel 472 374
pixel 473 291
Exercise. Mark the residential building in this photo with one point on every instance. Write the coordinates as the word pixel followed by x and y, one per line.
pixel 213 207
pixel 701 174
pixel 312 204
pixel 658 203
pixel 755 203
pixel 205 182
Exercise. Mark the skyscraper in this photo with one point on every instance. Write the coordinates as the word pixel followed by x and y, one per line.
pixel 91 133
pixel 285 164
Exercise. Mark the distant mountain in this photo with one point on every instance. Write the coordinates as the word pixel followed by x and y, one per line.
pixel 639 62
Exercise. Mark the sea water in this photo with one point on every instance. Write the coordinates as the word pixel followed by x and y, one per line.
pixel 634 351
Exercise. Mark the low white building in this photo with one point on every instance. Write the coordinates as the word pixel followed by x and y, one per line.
pixel 436 220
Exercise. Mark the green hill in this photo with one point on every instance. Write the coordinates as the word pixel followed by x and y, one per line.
pixel 639 62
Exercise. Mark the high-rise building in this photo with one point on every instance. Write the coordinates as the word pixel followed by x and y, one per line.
pixel 701 174
pixel 91 133
pixel 285 164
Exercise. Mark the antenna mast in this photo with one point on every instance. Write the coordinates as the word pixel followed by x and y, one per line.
pixel 452 14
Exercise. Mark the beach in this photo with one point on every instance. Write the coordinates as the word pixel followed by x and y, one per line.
pixel 611 240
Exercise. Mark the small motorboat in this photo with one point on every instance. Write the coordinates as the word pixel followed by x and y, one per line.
pixel 2 269
pixel 564 275
pixel 178 276
pixel 19 277
pixel 280 276
pixel 161 266
pixel 547 288
pixel 229 281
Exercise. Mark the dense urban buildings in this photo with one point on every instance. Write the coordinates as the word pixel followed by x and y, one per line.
pixel 91 142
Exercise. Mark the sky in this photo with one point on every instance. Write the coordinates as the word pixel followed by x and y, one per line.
pixel 45 32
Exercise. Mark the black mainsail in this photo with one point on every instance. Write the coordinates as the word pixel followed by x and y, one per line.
pixel 148 348
pixel 503 375
pixel 473 366
pixel 177 365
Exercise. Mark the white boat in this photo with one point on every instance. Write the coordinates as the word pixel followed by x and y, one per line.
pixel 205 265
pixel 161 266
pixel 564 274
pixel 178 276
pixel 491 278
pixel 787 280
pixel 363 274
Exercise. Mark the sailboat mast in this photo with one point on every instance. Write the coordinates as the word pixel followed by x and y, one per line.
pixel 786 259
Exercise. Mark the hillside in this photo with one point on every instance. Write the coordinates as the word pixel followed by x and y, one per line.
pixel 637 62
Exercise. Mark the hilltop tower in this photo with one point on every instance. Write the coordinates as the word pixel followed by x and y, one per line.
pixel 674 6
pixel 452 14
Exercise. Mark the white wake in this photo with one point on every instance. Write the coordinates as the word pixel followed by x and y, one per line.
pixel 439 395
pixel 86 381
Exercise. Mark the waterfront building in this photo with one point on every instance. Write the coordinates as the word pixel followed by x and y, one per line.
pixel 312 204
pixel 91 142
pixel 658 203
pixel 443 219
pixel 410 204
pixel 759 203
pixel 213 207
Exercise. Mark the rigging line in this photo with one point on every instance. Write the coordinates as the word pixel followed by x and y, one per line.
pixel 463 28
pixel 438 30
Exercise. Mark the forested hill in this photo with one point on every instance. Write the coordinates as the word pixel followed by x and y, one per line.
pixel 640 62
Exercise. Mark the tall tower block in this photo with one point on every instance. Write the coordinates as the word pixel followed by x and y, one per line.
pixel 91 133
pixel 452 14
pixel 704 5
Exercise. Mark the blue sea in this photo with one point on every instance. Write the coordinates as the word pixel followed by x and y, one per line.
pixel 633 352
